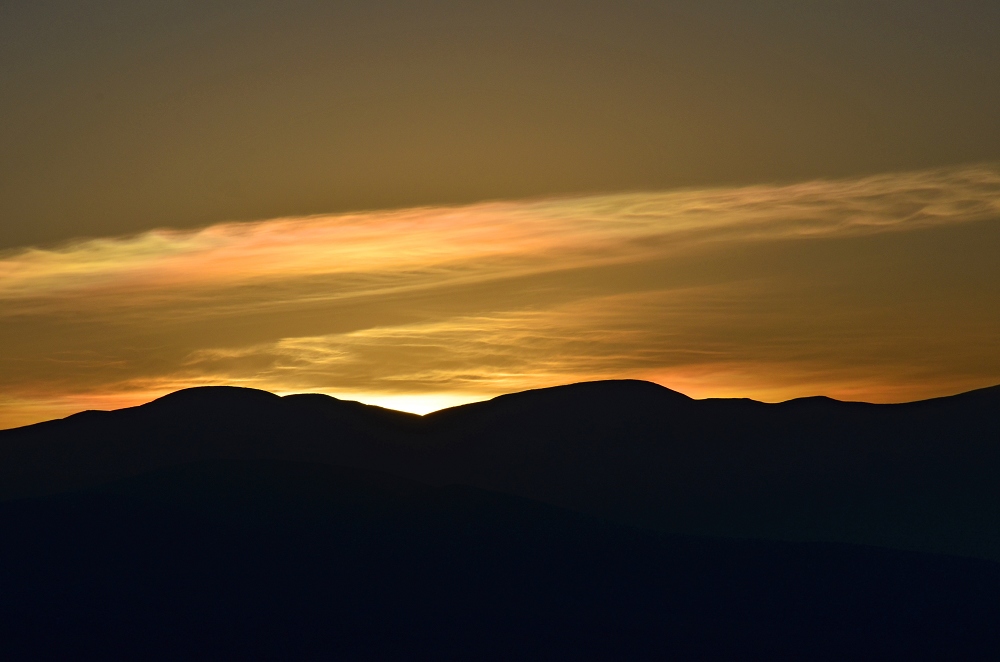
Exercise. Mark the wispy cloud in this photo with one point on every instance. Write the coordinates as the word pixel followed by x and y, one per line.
pixel 880 287
pixel 499 236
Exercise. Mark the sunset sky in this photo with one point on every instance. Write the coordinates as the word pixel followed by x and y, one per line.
pixel 423 204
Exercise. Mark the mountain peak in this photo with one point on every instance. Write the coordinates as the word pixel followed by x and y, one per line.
pixel 217 394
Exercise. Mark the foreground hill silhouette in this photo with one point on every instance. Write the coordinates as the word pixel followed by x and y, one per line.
pixel 920 476
pixel 243 559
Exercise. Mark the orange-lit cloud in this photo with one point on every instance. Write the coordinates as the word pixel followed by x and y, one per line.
pixel 882 288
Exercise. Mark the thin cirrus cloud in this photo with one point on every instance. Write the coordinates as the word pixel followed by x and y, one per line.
pixel 882 288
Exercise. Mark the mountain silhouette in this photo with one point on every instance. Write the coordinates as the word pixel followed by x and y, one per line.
pixel 920 476
pixel 604 520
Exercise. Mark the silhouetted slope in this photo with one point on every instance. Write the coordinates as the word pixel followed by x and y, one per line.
pixel 923 475
pixel 277 560
pixel 919 476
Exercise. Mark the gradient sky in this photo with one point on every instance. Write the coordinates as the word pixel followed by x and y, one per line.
pixel 420 204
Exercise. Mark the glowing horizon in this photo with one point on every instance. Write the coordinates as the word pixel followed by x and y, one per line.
pixel 879 288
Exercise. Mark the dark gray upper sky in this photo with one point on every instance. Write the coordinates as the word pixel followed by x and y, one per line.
pixel 119 116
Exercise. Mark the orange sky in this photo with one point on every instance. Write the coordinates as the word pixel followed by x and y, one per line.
pixel 425 203
pixel 882 288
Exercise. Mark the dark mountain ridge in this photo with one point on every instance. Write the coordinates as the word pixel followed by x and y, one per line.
pixel 921 476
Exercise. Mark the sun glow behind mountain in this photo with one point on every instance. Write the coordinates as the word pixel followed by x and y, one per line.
pixel 882 288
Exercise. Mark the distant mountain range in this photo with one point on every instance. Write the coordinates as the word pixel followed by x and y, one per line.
pixel 615 520
pixel 922 476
